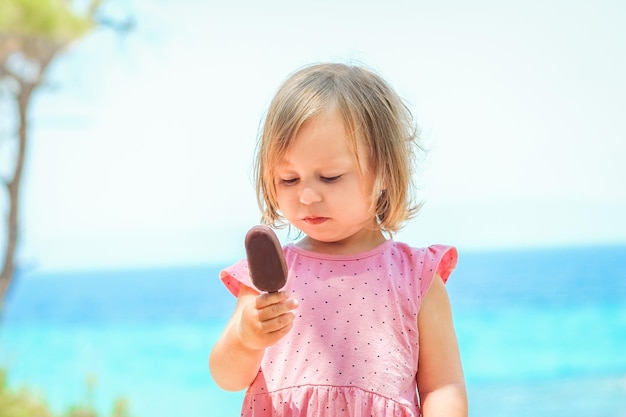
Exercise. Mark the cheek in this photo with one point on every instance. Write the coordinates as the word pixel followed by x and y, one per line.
pixel 284 198
pixel 348 199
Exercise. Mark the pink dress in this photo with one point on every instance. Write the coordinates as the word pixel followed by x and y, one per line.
pixel 353 348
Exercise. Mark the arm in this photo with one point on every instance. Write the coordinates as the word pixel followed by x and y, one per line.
pixel 259 321
pixel 440 380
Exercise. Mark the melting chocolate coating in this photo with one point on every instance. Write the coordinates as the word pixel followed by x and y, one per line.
pixel 265 259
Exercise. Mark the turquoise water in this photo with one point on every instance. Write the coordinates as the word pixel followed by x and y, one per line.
pixel 542 333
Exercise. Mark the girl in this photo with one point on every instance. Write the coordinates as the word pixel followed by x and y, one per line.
pixel 363 326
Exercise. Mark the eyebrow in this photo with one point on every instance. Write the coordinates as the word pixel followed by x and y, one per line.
pixel 336 163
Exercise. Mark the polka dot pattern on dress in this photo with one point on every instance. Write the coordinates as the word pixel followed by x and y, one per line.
pixel 355 336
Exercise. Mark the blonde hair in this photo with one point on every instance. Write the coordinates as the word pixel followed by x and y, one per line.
pixel 373 115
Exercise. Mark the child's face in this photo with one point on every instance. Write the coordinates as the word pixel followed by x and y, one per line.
pixel 321 188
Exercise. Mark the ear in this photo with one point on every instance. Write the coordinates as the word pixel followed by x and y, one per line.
pixel 380 184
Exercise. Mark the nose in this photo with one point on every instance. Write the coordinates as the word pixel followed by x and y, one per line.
pixel 309 196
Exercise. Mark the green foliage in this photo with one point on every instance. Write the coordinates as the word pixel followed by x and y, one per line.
pixel 22 403
pixel 54 19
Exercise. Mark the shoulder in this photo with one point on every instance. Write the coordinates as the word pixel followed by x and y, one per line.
pixel 436 259
pixel 426 263
pixel 235 275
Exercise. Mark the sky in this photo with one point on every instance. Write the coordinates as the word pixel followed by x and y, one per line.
pixel 142 144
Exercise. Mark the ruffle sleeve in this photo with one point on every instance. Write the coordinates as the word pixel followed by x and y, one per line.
pixel 438 260
pixel 235 275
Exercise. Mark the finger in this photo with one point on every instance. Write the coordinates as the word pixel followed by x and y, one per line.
pixel 279 324
pixel 275 336
pixel 275 310
pixel 269 298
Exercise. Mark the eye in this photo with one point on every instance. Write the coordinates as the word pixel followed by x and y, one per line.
pixel 289 181
pixel 331 179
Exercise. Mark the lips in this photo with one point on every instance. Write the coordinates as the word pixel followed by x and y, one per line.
pixel 315 220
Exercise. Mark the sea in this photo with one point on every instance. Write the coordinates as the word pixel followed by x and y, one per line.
pixel 542 332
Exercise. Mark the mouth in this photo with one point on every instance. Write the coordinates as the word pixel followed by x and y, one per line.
pixel 315 220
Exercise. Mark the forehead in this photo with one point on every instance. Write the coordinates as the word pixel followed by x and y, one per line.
pixel 324 138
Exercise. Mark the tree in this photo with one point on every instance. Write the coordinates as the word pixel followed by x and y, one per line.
pixel 22 402
pixel 32 34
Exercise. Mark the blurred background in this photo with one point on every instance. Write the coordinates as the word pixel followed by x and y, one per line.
pixel 137 190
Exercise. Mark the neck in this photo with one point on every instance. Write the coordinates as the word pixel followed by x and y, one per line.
pixel 362 241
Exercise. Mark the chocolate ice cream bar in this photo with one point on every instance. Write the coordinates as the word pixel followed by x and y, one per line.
pixel 265 259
